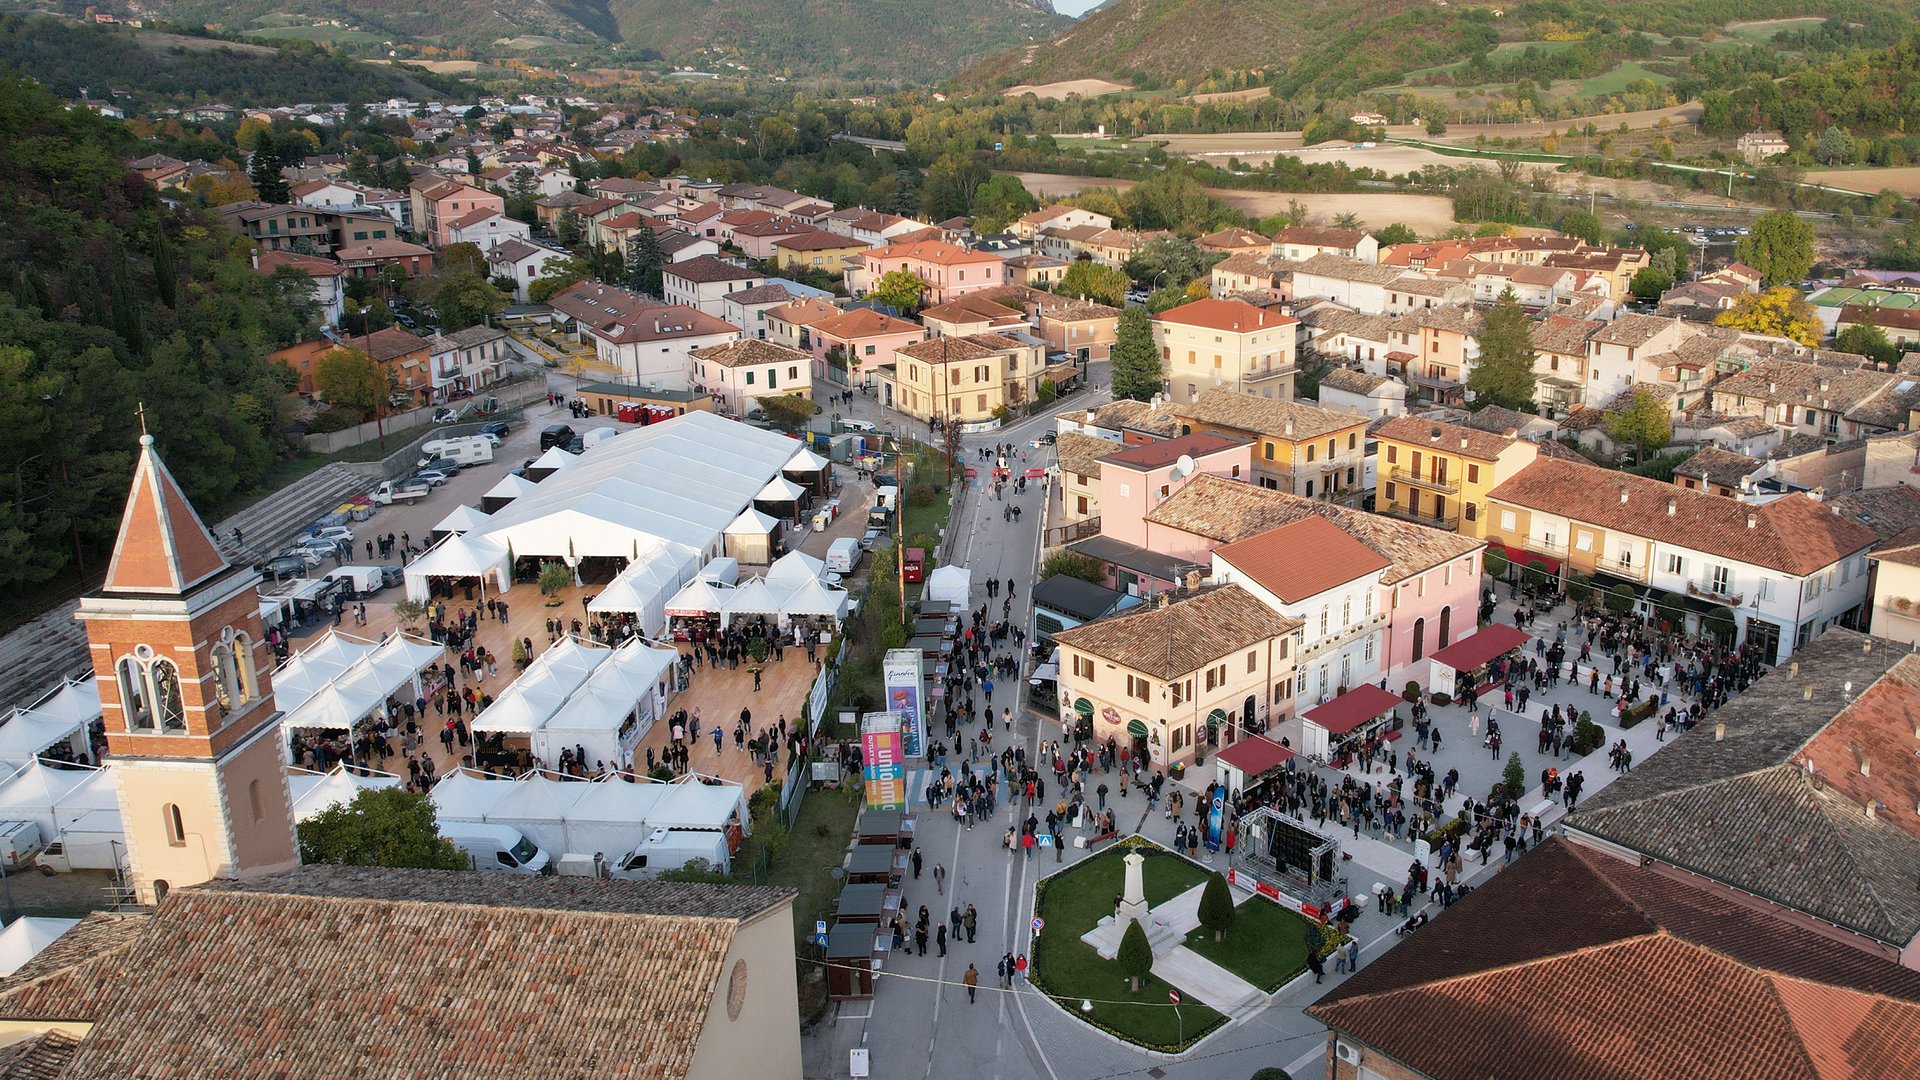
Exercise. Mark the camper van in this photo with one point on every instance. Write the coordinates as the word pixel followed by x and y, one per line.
pixel 465 450
pixel 597 436
pixel 841 555
pixel 499 849
pixel 363 580
pixel 670 849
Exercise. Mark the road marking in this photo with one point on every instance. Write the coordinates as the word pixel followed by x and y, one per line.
pixel 1301 1062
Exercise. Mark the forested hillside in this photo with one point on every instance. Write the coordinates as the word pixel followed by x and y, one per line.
pixel 153 67
pixel 109 300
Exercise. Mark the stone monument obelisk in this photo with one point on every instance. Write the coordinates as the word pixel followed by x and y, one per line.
pixel 1133 895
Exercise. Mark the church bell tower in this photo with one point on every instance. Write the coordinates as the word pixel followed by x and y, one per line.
pixel 183 669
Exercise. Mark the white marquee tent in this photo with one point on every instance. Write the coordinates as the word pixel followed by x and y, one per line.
pixel 466 555
pixel 750 538
pixel 463 519
pixel 524 706
pixel 611 816
pixel 950 583
pixel 781 490
pixel 306 672
pixel 796 565
pixel 813 598
pixel 804 460
pixel 657 571
pixel 27 937
pixel 699 597
pixel 313 792
pixel 76 806
pixel 366 685
pixel 62 716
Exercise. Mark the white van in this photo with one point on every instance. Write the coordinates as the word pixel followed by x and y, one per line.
pixel 499 849
pixel 670 849
pixel 842 554
pixel 597 436
pixel 365 580
pixel 861 426
pixel 464 450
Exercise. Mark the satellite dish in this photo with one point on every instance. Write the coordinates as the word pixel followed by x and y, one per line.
pixel 1183 466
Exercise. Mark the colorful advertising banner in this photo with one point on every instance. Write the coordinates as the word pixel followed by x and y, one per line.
pixel 884 764
pixel 1217 818
pixel 900 671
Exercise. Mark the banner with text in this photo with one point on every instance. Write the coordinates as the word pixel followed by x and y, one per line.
pixel 900 671
pixel 884 764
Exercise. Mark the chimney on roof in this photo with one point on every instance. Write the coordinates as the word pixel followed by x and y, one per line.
pixel 1806 692
pixel 1436 434
pixel 1871 805
pixel 1463 442
pixel 1623 494
pixel 1753 521
pixel 1194 578
pixel 1720 731
pixel 1772 387
pixel 1673 504
pixel 1793 669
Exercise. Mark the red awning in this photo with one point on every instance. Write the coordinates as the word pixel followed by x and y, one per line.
pixel 1254 755
pixel 1492 640
pixel 1352 709
pixel 1521 557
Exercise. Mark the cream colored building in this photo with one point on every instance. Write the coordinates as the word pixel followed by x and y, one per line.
pixel 1080 457
pixel 1226 343
pixel 740 371
pixel 966 379
pixel 1204 671
pixel 1896 588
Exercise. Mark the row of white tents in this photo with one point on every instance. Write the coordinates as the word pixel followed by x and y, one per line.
pixel 791 588
pixel 340 680
pixel 610 816
pixel 582 694
pixel 61 717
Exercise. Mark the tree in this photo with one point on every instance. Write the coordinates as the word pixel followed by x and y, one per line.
pixel 645 257
pixel 555 275
pixel 1089 280
pixel 1347 220
pixel 951 184
pixel 1136 363
pixel 1493 563
pixel 997 201
pixel 350 379
pixel 1396 233
pixel 569 229
pixel 789 411
pixel 1503 375
pixel 1643 421
pixel 898 289
pixel 466 299
pixel 380 827
pixel 1160 300
pixel 1780 246
pixel 1868 340
pixel 1436 127
pixel 1649 283
pixel 773 137
pixel 1066 563
pixel 1135 955
pixel 1668 250
pixel 1216 906
pixel 1836 146
pixel 264 173
pixel 554 576
pixel 1584 225
pixel 1619 599
pixel 1514 777
pixel 1579 587
pixel 1780 312
pixel 1170 260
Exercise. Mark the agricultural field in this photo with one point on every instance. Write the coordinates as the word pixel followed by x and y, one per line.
pixel 1903 179
pixel 326 35
pixel 1060 91
pixel 1428 215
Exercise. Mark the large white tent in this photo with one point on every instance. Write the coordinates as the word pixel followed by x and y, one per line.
pixel 657 571
pixel 616 707
pixel 950 583
pixel 463 519
pixel 61 717
pixel 611 816
pixel 524 706
pixel 366 685
pixel 75 806
pixel 467 555
pixel 313 792
pixel 699 597
pixel 27 937
pixel 756 597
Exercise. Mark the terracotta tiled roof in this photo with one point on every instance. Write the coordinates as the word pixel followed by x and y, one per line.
pixel 622 317
pixel 1224 511
pixel 1183 637
pixel 1589 997
pixel 72 978
pixel 1231 316
pixel 1902 547
pixel 817 240
pixel 474 217
pixel 946 350
pixel 1068 309
pixel 381 249
pixel 707 269
pixel 1160 454
pixel 1560 334
pixel 38 1057
pixel 938 252
pixel 1082 454
pixel 1310 236
pixel 1251 264
pixel 1443 437
pixel 1353 381
pixel 312 265
pixel 1888 511
pixel 1234 238
pixel 748 352
pixel 1345 269
pixel 974 307
pixel 807 311
pixel 1801 383
pixel 1266 416
pixel 761 294
pixel 1128 415
pixel 863 323
pixel 396 973
pixel 1717 466
pixel 1633 330
pixel 1793 534
pixel 1303 559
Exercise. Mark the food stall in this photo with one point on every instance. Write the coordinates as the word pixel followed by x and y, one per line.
pixel 1478 663
pixel 1332 730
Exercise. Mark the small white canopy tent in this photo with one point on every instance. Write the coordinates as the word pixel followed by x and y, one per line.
pixel 313 792
pixel 815 598
pixel 310 669
pixel 462 556
pixel 509 488
pixel 657 571
pixel 950 583
pixel 699 597
pixel 780 490
pixel 50 797
pixel 750 538
pixel 756 597
pixel 62 716
pixel 611 816
pixel 553 461
pixel 26 938
pixel 523 707
pixel 613 710
pixel 804 460
pixel 795 566
pixel 463 519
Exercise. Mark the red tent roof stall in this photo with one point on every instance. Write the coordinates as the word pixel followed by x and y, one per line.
pixel 1352 709
pixel 1490 642
pixel 1254 755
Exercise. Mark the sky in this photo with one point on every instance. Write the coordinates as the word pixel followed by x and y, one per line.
pixel 1075 8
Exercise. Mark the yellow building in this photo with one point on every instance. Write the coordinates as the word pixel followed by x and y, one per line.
pixel 964 379
pixel 1080 457
pixel 1298 448
pixel 1209 670
pixel 1439 474
pixel 817 250
pixel 1226 343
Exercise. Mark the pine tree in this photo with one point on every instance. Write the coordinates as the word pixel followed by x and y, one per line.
pixel 1135 955
pixel 645 257
pixel 1216 907
pixel 1136 366
pixel 1503 375
pixel 264 173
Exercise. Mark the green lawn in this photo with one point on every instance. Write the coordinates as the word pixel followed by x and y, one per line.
pixel 804 858
pixel 1071 971
pixel 1266 947
pixel 1619 79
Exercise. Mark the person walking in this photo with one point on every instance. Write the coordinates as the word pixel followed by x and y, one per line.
pixel 940 938
pixel 972 981
pixel 1020 969
pixel 940 878
pixel 971 920
pixel 916 864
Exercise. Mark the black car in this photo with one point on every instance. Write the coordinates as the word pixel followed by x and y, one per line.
pixel 498 429
pixel 556 435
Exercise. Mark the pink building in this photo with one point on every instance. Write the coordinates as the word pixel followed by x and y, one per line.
pixel 1135 481
pixel 1429 591
pixel 866 340
pixel 949 270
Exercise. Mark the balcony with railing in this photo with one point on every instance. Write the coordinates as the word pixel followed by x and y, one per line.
pixel 1450 523
pixel 1403 475
pixel 1714 593
pixel 1623 569
pixel 1265 372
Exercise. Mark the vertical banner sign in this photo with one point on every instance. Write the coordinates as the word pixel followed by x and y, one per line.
pixel 901 673
pixel 885 766
pixel 1217 818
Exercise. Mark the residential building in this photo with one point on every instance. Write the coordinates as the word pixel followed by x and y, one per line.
pixel 816 249
pixel 870 227
pixel 522 262
pixel 1235 241
pixel 1560 350
pixel 334 193
pixel 791 324
pixel 738 372
pixel 1314 572
pixel 1209 668
pixel 1082 329
pixel 949 270
pixel 1757 146
pixel 438 203
pixel 1375 397
pixel 1896 588
pixel 1250 275
pixel 965 380
pixel 703 283
pixel 1139 478
pixel 1298 243
pixel 280 227
pixel 365 260
pixel 1298 448
pixel 1036 271
pixel 747 309
pixel 1901 325
pixel 853 347
pixel 486 229
pixel 1616 265
pixel 1127 422
pixel 1113 247
pixel 974 313
pixel 1817 399
pixel 1362 286
pixel 756 238
pixel 1440 474
pixel 1618 355
pixel 1893 460
pixel 1079 457
pixel 405 358
pixel 327 277
pixel 550 210
pixel 1226 343
pixel 300 357
pixel 1716 472
pixel 1780 573
pixel 647 342
pixel 467 361
pixel 1058 216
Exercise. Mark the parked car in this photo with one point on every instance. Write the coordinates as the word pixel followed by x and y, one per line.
pixel 281 567
pixel 444 466
pixel 497 431
pixel 339 534
pixel 424 476
pixel 316 549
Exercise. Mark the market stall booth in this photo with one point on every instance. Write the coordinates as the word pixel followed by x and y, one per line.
pixel 951 584
pixel 855 951
pixel 750 539
pixel 876 864
pixel 465 561
pixel 504 730
pixel 1250 764
pixel 1475 664
pixel 608 716
pixel 782 498
pixel 809 470
pixel 1332 730
pixel 868 904
pixel 657 571
pixel 345 706
pixel 463 519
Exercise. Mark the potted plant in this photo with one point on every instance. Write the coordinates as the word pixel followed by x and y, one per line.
pixel 1905 604
pixel 554 576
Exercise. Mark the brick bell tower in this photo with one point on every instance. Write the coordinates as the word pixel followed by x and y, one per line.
pixel 181 660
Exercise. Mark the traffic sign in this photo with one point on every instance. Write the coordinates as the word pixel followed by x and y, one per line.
pixel 1173 996
pixel 1039 924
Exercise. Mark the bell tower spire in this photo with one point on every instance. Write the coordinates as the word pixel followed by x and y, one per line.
pixel 185 691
